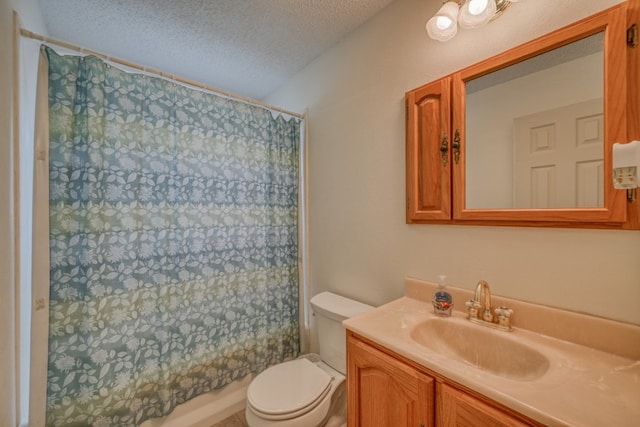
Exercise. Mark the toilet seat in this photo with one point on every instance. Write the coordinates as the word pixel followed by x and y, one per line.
pixel 288 390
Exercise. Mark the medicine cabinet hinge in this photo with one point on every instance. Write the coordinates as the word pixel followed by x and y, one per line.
pixel 632 36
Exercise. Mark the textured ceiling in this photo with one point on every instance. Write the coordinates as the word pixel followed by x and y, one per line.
pixel 249 47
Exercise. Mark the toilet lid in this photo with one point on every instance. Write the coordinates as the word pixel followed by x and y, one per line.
pixel 288 387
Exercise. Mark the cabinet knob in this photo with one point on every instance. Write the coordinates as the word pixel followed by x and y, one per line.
pixel 444 149
pixel 456 146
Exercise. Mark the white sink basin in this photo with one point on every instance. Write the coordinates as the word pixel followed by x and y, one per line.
pixel 497 352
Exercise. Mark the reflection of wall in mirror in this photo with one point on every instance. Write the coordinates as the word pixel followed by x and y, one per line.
pixel 489 123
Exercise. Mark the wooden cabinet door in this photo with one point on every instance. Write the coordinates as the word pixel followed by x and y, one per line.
pixel 456 408
pixel 428 152
pixel 385 392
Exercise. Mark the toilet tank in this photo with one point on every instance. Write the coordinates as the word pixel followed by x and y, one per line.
pixel 330 310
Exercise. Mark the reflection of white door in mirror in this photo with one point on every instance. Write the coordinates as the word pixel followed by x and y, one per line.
pixel 558 157
pixel 571 74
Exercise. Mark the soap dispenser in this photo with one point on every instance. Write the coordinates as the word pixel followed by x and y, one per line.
pixel 442 300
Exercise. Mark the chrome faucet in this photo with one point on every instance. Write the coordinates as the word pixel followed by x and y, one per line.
pixel 479 309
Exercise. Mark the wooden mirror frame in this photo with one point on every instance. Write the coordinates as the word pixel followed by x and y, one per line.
pixel 613 23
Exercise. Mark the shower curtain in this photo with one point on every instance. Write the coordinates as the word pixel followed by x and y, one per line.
pixel 173 242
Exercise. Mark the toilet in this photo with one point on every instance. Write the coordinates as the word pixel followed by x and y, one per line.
pixel 309 391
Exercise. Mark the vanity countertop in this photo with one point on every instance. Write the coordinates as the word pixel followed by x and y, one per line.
pixel 582 386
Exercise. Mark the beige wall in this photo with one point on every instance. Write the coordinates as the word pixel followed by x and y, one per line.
pixel 30 15
pixel 360 245
pixel 7 313
pixel 31 18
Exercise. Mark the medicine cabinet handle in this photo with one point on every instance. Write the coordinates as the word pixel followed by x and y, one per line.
pixel 456 146
pixel 444 149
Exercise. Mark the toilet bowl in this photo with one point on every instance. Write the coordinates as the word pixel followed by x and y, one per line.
pixel 298 393
pixel 310 390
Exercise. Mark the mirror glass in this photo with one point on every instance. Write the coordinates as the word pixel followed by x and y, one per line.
pixel 535 131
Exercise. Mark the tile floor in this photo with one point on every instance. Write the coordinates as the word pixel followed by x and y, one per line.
pixel 238 420
pixel 235 420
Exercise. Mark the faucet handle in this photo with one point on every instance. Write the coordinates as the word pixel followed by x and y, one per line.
pixel 473 308
pixel 503 311
pixel 504 315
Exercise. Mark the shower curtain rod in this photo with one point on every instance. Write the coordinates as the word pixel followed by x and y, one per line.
pixel 61 43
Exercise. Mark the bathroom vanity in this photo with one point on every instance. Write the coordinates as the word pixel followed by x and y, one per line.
pixel 408 367
pixel 388 389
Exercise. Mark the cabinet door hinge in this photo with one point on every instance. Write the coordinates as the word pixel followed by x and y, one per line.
pixel 632 36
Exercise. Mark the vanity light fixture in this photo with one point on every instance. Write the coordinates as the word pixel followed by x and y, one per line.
pixel 443 25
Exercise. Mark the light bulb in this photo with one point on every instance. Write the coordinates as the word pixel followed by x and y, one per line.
pixel 476 13
pixel 442 22
pixel 443 25
pixel 476 7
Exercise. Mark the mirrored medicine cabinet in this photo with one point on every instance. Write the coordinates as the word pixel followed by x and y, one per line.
pixel 525 137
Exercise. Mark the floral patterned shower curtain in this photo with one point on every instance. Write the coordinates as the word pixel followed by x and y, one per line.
pixel 173 243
